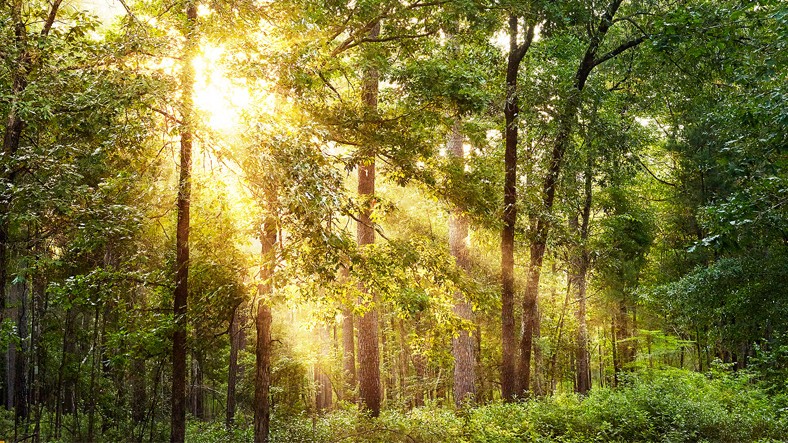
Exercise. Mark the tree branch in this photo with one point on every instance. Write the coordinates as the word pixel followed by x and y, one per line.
pixel 51 18
pixel 654 175
pixel 521 50
pixel 621 48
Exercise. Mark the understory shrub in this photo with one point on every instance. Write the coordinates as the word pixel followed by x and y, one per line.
pixel 669 406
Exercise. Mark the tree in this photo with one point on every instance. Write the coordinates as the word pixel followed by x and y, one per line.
pixel 510 383
pixel 181 295
pixel 463 346
pixel 262 380
pixel 565 121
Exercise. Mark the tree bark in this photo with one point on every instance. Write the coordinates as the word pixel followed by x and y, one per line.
pixel 94 363
pixel 178 418
pixel 463 348
pixel 262 381
pixel 558 336
pixel 539 378
pixel 509 379
pixel 368 349
pixel 11 353
pixel 404 359
pixel 348 352
pixel 138 392
pixel 38 352
pixel 581 262
pixel 236 344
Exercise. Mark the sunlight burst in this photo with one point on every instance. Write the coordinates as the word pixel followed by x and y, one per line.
pixel 222 101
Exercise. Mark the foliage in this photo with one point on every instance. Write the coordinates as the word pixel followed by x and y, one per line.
pixel 654 406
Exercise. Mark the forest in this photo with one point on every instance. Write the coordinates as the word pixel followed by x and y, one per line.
pixel 394 221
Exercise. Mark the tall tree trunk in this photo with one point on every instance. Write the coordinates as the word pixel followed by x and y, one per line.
pixel 348 344
pixel 233 370
pixel 93 373
pixel 509 379
pixel 262 380
pixel 404 359
pixel 368 349
pixel 614 350
pixel 463 348
pixel 21 387
pixel 64 394
pixel 348 353
pixel 38 351
pixel 558 336
pixel 580 263
pixel 178 419
pixel 11 354
pixel 539 370
pixel 139 392
pixel 139 398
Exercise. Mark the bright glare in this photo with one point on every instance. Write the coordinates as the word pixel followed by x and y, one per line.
pixel 222 101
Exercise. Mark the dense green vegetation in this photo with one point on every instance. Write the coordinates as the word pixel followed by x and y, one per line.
pixel 388 220
pixel 655 406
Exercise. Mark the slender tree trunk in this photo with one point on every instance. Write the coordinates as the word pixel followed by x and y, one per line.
pixel 178 419
pixel 420 365
pixel 580 265
pixel 509 379
pixel 348 344
pixel 404 358
pixel 463 348
pixel 538 384
pixel 348 352
pixel 138 393
pixel 558 336
pixel 139 396
pixel 601 364
pixel 368 349
pixel 21 387
pixel 38 352
pixel 12 312
pixel 583 384
pixel 197 391
pixel 614 350
pixel 262 381
pixel 236 342
pixel 93 373
pixel 64 392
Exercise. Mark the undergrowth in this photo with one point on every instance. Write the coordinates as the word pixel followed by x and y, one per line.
pixel 653 406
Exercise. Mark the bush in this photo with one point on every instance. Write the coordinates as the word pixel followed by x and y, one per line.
pixel 669 406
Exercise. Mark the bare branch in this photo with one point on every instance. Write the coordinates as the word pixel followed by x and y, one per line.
pixel 654 175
